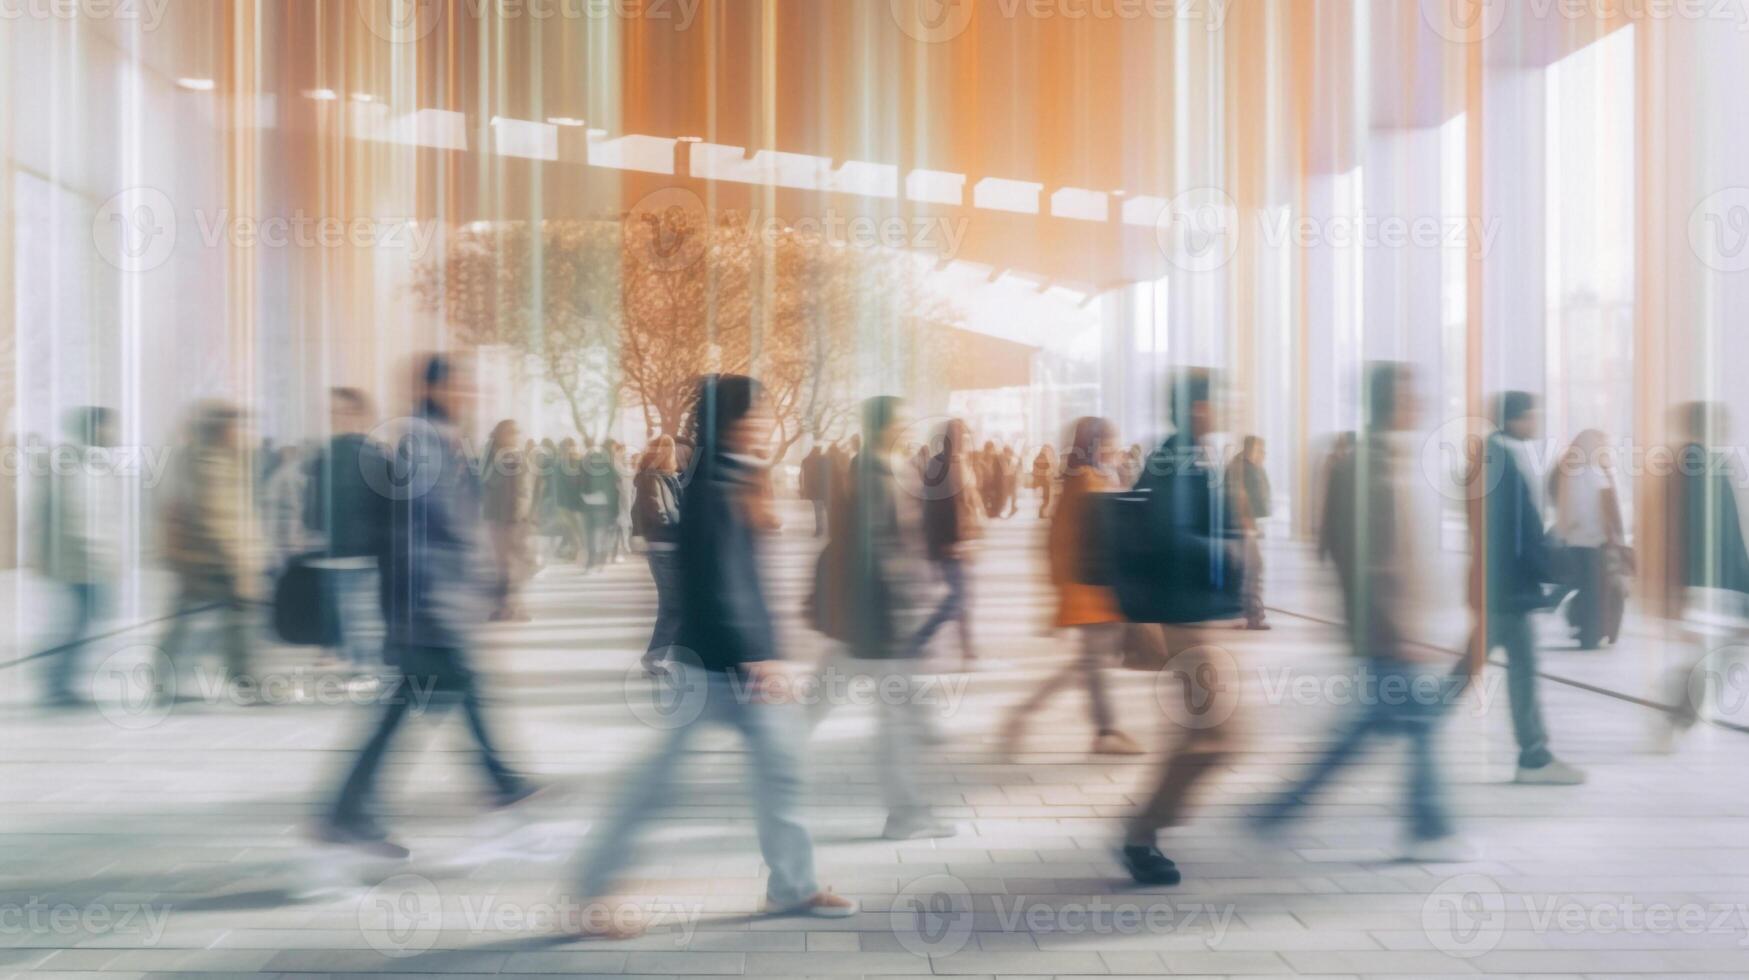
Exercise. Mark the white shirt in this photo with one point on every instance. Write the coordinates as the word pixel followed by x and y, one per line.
pixel 1581 523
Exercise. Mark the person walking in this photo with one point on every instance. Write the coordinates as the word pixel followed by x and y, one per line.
pixel 1090 610
pixel 1190 573
pixel 211 542
pixel 1383 527
pixel 1705 575
pixel 867 588
pixel 1044 479
pixel 1247 478
pixel 1516 558
pixel 816 479
pixel 953 522
pixel 730 672
pixel 656 518
pixel 80 522
pixel 600 505
pixel 434 599
pixel 346 510
pixel 1588 530
pixel 508 497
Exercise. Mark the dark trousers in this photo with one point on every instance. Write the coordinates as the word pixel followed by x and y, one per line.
pixel 819 518
pixel 955 606
pixel 88 599
pixel 1589 575
pixel 665 572
pixel 442 675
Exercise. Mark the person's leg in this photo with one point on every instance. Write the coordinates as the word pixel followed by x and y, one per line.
pixel 946 611
pixel 1427 815
pixel 85 600
pixel 450 676
pixel 350 809
pixel 1206 733
pixel 612 845
pixel 665 573
pixel 1253 582
pixel 897 745
pixel 959 584
pixel 234 622
pixel 1098 644
pixel 819 518
pixel 773 742
pixel 1588 574
pixel 1514 632
pixel 1368 721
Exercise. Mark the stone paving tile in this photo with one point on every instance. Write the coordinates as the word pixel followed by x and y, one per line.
pixel 198 820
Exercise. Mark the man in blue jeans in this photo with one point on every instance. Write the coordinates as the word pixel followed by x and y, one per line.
pixel 1518 559
pixel 1382 527
pixel 79 520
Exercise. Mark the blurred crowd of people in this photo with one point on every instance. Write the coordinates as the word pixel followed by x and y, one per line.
pixel 388 554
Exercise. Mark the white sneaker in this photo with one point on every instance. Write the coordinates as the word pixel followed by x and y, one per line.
pixel 1556 773
pixel 1450 849
pixel 918 829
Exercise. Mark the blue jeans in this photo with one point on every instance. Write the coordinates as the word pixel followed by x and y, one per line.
pixel 1408 699
pixel 1517 634
pixel 89 599
pixel 773 734
pixel 353 595
pixel 956 606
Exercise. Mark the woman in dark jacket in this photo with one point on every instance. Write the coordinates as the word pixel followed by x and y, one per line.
pixel 728 670
pixel 656 518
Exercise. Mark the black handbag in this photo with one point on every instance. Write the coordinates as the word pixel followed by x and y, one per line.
pixel 1169 561
pixel 303 614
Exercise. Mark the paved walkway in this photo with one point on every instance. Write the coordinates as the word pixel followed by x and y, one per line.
pixel 135 843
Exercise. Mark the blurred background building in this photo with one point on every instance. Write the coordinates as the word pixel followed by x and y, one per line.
pixel 1019 213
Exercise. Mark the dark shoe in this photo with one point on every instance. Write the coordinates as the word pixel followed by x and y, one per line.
pixel 503 800
pixel 1149 867
pixel 366 839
